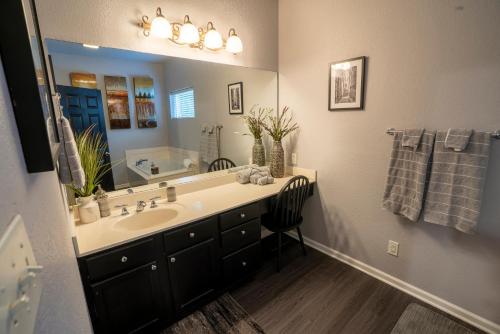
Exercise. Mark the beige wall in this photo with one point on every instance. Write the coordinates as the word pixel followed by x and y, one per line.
pixel 429 65
pixel 113 23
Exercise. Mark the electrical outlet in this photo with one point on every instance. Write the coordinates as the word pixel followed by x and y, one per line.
pixel 393 248
pixel 294 158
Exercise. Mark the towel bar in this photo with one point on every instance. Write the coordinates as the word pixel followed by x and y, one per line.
pixel 392 132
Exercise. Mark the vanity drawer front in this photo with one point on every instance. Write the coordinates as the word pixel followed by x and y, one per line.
pixel 239 215
pixel 190 235
pixel 241 264
pixel 121 259
pixel 240 236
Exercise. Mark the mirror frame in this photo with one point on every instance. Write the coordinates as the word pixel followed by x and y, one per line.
pixel 25 90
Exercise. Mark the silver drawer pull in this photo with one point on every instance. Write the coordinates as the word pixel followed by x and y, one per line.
pixel 124 259
pixel 153 267
pixel 242 215
pixel 243 232
pixel 244 264
pixel 172 259
pixel 191 235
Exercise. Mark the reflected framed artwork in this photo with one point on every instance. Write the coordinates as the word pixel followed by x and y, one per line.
pixel 346 85
pixel 117 97
pixel 144 102
pixel 235 97
pixel 83 80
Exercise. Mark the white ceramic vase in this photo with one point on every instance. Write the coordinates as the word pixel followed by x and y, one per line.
pixel 88 209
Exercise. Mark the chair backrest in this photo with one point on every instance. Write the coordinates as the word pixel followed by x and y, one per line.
pixel 221 164
pixel 287 210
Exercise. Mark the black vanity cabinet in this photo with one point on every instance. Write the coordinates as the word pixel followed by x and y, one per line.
pixel 145 285
pixel 124 287
pixel 130 301
pixel 193 266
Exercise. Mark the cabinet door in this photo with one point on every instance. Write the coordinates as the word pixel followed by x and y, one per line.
pixel 193 274
pixel 129 302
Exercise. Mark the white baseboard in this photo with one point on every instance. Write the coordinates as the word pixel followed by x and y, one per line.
pixel 455 310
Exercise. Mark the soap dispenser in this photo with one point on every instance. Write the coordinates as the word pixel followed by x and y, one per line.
pixel 102 200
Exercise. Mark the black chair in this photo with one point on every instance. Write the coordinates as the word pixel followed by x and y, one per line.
pixel 286 212
pixel 220 164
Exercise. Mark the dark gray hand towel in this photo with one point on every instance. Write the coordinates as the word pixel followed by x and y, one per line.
pixel 457 139
pixel 407 175
pixel 412 137
pixel 454 193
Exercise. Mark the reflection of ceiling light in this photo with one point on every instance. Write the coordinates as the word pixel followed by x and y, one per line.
pixel 160 27
pixel 213 39
pixel 233 43
pixel 188 34
pixel 90 46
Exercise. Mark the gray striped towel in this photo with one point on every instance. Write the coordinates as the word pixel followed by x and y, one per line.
pixel 412 138
pixel 70 167
pixel 456 182
pixel 408 168
pixel 457 139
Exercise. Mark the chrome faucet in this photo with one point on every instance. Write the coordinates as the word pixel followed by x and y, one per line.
pixel 124 209
pixel 140 161
pixel 153 201
pixel 140 206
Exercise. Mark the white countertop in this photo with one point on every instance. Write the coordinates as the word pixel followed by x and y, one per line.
pixel 191 207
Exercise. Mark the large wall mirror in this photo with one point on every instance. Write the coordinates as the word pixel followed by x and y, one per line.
pixel 162 117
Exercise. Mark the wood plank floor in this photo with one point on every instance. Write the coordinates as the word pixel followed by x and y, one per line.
pixel 318 294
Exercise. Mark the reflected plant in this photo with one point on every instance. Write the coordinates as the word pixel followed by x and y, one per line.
pixel 255 121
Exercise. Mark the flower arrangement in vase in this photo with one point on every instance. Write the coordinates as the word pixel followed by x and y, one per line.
pixel 278 127
pixel 255 122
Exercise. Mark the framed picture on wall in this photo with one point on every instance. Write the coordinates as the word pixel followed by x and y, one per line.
pixel 83 80
pixel 235 97
pixel 117 98
pixel 346 84
pixel 144 102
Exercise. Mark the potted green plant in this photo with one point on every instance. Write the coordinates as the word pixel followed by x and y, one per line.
pixel 92 149
pixel 255 122
pixel 278 127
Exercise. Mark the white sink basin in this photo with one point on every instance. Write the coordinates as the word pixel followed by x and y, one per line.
pixel 146 219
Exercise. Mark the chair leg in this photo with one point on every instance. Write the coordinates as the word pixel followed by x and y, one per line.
pixel 301 241
pixel 279 252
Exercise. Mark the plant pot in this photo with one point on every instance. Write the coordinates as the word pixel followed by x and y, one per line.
pixel 258 153
pixel 277 160
pixel 88 209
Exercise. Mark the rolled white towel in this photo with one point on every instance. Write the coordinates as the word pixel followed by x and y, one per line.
pixel 243 176
pixel 187 163
pixel 265 180
pixel 257 176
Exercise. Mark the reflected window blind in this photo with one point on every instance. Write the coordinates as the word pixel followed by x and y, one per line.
pixel 182 103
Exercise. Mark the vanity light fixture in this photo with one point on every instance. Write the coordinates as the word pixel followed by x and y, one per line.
pixel 90 46
pixel 160 27
pixel 186 33
pixel 213 39
pixel 233 43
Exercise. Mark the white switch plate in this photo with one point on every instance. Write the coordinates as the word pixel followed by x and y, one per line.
pixel 20 285
pixel 393 248
pixel 294 158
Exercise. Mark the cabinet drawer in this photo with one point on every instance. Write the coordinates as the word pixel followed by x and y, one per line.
pixel 239 215
pixel 241 264
pixel 240 236
pixel 120 259
pixel 190 235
